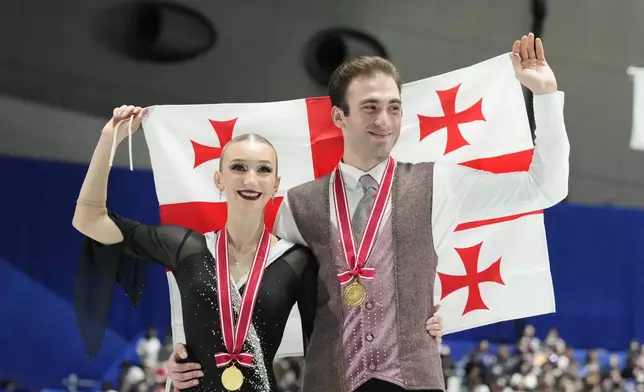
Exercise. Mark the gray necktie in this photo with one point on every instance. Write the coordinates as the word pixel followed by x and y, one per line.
pixel 361 215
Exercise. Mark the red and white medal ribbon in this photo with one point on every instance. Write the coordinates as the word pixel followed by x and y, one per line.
pixel 235 336
pixel 356 260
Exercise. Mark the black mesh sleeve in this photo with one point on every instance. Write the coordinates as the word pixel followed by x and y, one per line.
pixel 125 263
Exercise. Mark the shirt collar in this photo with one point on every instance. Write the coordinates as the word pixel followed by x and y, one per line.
pixel 351 175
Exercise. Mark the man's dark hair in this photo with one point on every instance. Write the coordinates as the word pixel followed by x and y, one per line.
pixel 356 67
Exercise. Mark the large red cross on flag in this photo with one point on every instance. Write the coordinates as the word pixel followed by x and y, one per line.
pixel 492 270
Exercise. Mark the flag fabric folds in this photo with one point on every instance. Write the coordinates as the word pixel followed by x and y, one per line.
pixel 493 270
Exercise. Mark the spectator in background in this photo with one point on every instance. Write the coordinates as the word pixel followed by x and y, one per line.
pixel 632 359
pixel 524 349
pixel 479 362
pixel 565 358
pixel 148 350
pixel 288 372
pixel 525 378
pixel 638 376
pixel 482 354
pixel 504 363
pixel 554 342
pixel 567 383
pixel 630 368
pixel 613 364
pixel 592 382
pixel 530 339
pixel 614 381
pixel 476 379
pixel 132 378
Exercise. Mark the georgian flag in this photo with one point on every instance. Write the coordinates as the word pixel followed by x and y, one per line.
pixel 493 270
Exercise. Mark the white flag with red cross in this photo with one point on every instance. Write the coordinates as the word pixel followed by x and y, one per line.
pixel 493 270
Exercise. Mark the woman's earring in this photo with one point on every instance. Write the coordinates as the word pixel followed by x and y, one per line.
pixel 221 194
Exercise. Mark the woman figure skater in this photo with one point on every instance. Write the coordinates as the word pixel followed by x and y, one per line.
pixel 237 285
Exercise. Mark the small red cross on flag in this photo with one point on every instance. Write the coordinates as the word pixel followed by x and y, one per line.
pixel 472 279
pixel 485 267
pixel 475 117
pixel 451 120
pixel 224 131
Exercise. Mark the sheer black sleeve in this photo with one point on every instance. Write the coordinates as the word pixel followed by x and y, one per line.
pixel 125 263
pixel 305 266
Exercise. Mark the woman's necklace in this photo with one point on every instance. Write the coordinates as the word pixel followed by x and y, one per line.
pixel 235 258
pixel 237 254
pixel 235 261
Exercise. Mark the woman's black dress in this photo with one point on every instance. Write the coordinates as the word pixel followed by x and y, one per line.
pixel 290 278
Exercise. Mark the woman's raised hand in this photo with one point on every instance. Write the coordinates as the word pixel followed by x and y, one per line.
pixel 124 113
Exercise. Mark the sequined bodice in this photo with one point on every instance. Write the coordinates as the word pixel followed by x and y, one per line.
pixel 287 281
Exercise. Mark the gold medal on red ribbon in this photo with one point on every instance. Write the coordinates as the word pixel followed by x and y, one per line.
pixel 232 379
pixel 355 293
pixel 234 336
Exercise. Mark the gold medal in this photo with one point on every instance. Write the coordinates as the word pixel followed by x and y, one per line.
pixel 232 378
pixel 354 293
